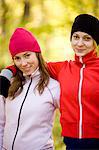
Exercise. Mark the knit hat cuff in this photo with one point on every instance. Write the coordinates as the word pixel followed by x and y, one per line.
pixel 21 41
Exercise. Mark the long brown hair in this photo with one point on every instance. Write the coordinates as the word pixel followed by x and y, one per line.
pixel 19 80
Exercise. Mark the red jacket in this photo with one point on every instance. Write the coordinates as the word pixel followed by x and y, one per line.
pixel 79 106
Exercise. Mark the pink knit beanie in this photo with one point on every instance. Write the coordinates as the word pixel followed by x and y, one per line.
pixel 21 41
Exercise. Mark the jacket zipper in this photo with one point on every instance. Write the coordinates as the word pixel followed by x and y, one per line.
pixel 79 97
pixel 19 116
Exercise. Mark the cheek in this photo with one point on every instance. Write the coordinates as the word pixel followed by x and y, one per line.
pixel 90 46
pixel 73 43
pixel 34 62
pixel 17 64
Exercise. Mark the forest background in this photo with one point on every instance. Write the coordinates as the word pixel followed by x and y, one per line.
pixel 50 21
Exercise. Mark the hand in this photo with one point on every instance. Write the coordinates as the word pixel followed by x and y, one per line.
pixel 5 77
pixel 4 86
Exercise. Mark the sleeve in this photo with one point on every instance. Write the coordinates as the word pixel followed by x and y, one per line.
pixel 12 69
pixel 2 119
pixel 54 68
pixel 56 94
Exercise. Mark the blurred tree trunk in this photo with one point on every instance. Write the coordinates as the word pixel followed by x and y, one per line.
pixel 3 17
pixel 96 8
pixel 26 12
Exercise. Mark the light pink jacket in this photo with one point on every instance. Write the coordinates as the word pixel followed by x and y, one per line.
pixel 36 119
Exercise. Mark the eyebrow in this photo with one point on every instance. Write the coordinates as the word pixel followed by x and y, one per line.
pixel 23 55
pixel 26 53
pixel 83 35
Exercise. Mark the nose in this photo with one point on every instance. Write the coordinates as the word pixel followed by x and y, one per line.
pixel 23 62
pixel 80 42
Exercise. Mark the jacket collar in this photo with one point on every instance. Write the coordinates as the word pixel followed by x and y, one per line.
pixel 34 74
pixel 87 58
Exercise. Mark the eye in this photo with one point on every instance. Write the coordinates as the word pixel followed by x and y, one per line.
pixel 75 37
pixel 27 55
pixel 87 38
pixel 16 58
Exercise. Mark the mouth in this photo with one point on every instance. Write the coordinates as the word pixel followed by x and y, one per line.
pixel 80 50
pixel 26 69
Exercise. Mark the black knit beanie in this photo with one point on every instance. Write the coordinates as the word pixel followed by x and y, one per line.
pixel 88 24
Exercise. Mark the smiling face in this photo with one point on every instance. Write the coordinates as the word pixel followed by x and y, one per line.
pixel 82 43
pixel 26 61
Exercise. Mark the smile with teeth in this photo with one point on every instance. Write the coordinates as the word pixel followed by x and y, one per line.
pixel 80 50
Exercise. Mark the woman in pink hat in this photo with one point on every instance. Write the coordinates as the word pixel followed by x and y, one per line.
pixel 26 115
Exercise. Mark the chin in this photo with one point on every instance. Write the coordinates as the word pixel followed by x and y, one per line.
pixel 80 54
pixel 27 73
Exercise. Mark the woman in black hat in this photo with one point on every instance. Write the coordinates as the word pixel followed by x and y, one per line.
pixel 79 80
